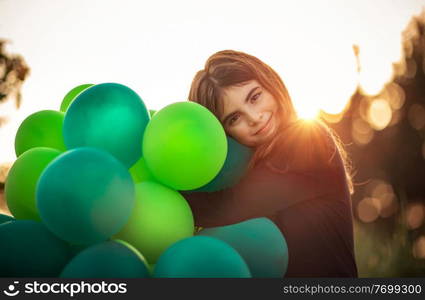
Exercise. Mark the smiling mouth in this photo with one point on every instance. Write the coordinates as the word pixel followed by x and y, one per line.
pixel 265 126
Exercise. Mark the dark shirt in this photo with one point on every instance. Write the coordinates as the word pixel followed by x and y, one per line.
pixel 312 209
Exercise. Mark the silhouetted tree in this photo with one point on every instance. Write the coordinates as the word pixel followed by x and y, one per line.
pixel 13 71
pixel 394 154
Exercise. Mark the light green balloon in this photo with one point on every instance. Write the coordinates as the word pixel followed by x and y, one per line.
pixel 41 129
pixel 20 187
pixel 184 146
pixel 160 217
pixel 140 172
pixel 72 94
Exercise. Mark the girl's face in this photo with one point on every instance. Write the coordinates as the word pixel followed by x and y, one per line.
pixel 250 113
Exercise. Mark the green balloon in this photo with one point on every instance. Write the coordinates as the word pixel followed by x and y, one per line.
pixel 20 187
pixel 140 172
pixel 5 218
pixel 151 268
pixel 160 217
pixel 72 94
pixel 110 259
pixel 85 196
pixel 75 248
pixel 28 249
pixel 152 112
pixel 108 116
pixel 249 239
pixel 184 146
pixel 201 257
pixel 41 129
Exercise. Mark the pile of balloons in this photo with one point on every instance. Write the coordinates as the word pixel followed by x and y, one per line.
pixel 95 192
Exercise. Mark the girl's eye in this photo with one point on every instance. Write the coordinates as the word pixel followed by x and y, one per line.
pixel 255 97
pixel 233 119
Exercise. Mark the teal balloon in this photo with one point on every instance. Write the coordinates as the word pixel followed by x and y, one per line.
pixel 29 249
pixel 75 248
pixel 5 218
pixel 109 116
pixel 85 196
pixel 235 166
pixel 111 259
pixel 201 257
pixel 259 241
pixel 72 94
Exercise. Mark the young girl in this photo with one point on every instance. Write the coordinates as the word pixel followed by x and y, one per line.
pixel 298 177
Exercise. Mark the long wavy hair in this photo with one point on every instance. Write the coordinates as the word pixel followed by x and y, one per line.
pixel 301 144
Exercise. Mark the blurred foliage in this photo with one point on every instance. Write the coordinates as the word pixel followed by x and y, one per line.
pixel 13 71
pixel 385 137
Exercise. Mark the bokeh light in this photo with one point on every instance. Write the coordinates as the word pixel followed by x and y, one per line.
pixel 368 209
pixel 379 114
pixel 362 133
pixel 416 116
pixel 395 95
pixel 415 215
pixel 419 248
pixel 380 201
pixel 384 193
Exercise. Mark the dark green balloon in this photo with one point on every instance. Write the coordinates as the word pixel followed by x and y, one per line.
pixel 235 165
pixel 259 241
pixel 41 129
pixel 201 257
pixel 108 116
pixel 72 94
pixel 85 196
pixel 28 249
pixel 111 259
pixel 5 218
pixel 75 248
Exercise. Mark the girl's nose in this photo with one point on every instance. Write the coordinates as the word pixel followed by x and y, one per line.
pixel 254 117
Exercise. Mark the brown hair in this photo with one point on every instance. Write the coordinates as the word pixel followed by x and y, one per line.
pixel 228 68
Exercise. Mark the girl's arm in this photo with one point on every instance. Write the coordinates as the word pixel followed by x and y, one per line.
pixel 265 190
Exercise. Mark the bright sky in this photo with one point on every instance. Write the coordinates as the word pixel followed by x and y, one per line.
pixel 156 47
